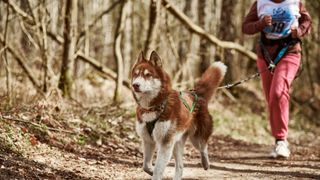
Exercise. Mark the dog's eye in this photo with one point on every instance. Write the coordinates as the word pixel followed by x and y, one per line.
pixel 148 74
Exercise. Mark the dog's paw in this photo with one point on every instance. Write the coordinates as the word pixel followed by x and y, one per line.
pixel 205 162
pixel 148 170
pixel 205 165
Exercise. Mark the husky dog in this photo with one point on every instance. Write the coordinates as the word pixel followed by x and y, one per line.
pixel 166 117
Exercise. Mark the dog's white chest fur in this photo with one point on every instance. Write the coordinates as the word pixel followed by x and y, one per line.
pixel 148 116
pixel 141 126
pixel 142 131
pixel 161 130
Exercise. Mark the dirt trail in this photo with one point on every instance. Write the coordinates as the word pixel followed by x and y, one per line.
pixel 230 159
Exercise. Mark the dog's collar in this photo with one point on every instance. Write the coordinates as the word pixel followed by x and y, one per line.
pixel 154 107
pixel 150 124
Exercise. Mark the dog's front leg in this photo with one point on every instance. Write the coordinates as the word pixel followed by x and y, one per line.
pixel 148 152
pixel 178 155
pixel 164 154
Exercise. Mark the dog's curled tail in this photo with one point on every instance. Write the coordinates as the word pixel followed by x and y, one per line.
pixel 210 80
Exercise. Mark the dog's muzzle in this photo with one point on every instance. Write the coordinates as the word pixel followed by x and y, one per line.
pixel 136 87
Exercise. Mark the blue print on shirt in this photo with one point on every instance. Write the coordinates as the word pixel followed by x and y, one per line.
pixel 282 20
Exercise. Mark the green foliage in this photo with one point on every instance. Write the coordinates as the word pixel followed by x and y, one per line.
pixel 82 140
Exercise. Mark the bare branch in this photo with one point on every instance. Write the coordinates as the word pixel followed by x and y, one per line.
pixel 94 22
pixel 201 32
pixel 18 10
pixel 100 67
pixel 21 61
pixel 97 65
pixel 25 31
pixel 57 38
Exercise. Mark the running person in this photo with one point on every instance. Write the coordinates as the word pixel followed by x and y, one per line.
pixel 281 24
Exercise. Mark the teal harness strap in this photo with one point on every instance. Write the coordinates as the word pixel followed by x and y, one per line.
pixel 281 52
pixel 191 109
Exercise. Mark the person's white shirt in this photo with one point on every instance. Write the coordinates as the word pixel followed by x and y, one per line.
pixel 284 16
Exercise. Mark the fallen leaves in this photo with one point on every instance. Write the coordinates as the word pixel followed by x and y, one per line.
pixel 33 140
pixel 24 130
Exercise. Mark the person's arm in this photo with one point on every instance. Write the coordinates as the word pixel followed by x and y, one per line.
pixel 305 22
pixel 251 23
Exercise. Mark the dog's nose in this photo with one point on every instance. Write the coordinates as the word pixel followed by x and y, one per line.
pixel 136 86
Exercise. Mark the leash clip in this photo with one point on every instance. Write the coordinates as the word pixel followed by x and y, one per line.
pixel 271 67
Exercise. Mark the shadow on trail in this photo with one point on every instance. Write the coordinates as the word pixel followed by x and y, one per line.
pixel 279 173
pixel 269 162
pixel 16 167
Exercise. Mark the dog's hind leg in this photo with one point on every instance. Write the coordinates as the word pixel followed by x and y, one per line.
pixel 202 146
pixel 178 156
pixel 204 156
pixel 148 152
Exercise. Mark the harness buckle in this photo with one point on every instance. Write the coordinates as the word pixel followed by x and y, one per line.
pixel 271 67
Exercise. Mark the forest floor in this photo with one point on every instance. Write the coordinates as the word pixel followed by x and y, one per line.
pixel 50 141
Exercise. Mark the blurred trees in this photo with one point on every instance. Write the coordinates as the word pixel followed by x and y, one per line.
pixel 60 44
pixel 69 46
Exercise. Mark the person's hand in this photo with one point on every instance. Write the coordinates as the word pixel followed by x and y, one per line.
pixel 267 20
pixel 294 32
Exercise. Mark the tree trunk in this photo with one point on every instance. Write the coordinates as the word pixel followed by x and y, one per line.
pixel 318 48
pixel 203 50
pixel 44 44
pixel 25 42
pixel 87 17
pixel 188 47
pixel 245 65
pixel 227 33
pixel 5 57
pixel 85 7
pixel 153 26
pixel 69 47
pixel 118 53
pixel 127 39
pixel 183 44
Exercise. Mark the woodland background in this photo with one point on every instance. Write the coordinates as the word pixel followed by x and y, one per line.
pixel 65 66
pixel 70 45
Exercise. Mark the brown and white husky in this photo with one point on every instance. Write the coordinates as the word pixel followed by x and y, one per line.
pixel 166 117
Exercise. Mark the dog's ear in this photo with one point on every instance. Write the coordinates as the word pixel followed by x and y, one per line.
pixel 140 58
pixel 155 59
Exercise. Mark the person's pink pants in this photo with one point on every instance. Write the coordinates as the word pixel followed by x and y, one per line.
pixel 276 87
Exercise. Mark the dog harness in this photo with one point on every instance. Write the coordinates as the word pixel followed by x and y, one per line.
pixel 283 45
pixel 150 125
pixel 185 103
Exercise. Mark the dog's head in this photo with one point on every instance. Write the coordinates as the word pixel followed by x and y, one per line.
pixel 147 76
